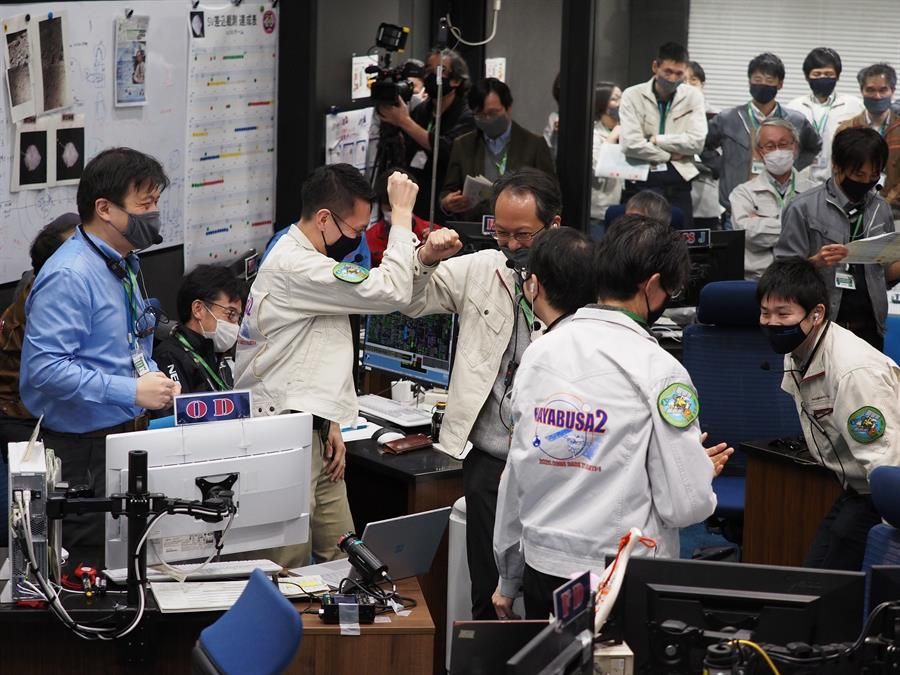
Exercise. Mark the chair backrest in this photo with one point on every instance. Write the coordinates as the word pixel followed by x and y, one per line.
pixel 615 211
pixel 259 634
pixel 739 401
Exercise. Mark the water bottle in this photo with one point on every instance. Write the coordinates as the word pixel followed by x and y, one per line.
pixel 437 419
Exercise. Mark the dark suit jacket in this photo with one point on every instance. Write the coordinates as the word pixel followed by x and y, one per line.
pixel 467 159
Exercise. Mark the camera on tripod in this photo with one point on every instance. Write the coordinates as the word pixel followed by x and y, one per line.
pixel 392 83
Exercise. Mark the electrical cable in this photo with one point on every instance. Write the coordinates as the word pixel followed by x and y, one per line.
pixel 455 32
pixel 762 652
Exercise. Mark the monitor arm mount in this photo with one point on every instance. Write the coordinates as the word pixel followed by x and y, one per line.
pixel 138 505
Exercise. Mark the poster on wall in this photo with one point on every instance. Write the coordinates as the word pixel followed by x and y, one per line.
pixel 49 152
pixel 69 149
pixel 17 57
pixel 231 134
pixel 52 78
pixel 131 60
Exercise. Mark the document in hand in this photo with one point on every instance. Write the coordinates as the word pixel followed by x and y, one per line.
pixel 885 248
pixel 477 189
pixel 611 162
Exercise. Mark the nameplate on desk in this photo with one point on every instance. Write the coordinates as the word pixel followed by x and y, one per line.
pixel 696 238
pixel 572 599
pixel 487 226
pixel 212 407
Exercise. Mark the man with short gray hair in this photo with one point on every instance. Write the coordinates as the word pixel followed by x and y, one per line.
pixel 756 205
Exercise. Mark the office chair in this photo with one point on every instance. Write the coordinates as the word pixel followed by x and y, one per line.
pixel 260 634
pixel 883 540
pixel 739 401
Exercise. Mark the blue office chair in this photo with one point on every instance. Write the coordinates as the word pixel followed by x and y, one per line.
pixel 739 401
pixel 260 634
pixel 615 211
pixel 883 542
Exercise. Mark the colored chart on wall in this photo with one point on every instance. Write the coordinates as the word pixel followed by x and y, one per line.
pixel 230 148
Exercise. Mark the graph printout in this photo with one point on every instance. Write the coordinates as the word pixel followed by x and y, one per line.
pixel 230 186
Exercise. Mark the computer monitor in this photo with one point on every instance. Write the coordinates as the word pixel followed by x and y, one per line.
pixel 562 651
pixel 270 456
pixel 776 605
pixel 484 647
pixel 473 235
pixel 420 349
pixel 721 260
pixel 884 586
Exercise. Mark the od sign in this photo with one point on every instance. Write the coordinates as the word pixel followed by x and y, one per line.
pixel 212 407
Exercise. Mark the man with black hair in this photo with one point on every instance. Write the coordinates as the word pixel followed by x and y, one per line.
pixel 295 348
pixel 86 359
pixel 732 131
pixel 846 396
pixel 823 108
pixel 605 431
pixel 878 83
pixel 498 146
pixel 418 126
pixel 209 310
pixel 496 323
pixel 819 223
pixel 664 123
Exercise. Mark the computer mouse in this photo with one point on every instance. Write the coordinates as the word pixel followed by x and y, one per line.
pixel 389 436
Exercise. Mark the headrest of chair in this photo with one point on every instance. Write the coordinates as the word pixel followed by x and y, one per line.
pixel 885 484
pixel 729 303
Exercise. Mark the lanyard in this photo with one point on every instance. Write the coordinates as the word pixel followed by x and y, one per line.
pixel 663 113
pixel 791 191
pixel 857 227
pixel 526 310
pixel 130 285
pixel 200 361
pixel 501 165
pixel 820 124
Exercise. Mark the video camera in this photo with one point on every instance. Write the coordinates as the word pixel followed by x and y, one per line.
pixel 392 83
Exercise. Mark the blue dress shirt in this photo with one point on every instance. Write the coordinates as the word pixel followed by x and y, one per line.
pixel 77 368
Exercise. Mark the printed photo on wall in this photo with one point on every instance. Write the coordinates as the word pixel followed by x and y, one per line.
pixel 30 162
pixel 131 60
pixel 19 78
pixel 69 150
pixel 54 85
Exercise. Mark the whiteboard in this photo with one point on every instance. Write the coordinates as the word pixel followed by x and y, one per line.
pixel 157 128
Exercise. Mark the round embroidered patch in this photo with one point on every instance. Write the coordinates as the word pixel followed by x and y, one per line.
pixel 866 425
pixel 350 272
pixel 678 405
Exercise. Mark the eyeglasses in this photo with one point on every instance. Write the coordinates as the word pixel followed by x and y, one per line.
pixel 231 314
pixel 770 147
pixel 356 233
pixel 520 237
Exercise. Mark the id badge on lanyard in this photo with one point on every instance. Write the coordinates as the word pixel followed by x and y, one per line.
pixel 138 359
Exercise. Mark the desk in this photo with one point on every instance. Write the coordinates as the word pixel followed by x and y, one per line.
pixel 785 502
pixel 33 641
pixel 381 486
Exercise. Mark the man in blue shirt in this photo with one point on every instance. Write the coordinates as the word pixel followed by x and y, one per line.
pixel 86 358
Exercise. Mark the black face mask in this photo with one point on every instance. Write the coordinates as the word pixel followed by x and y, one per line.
pixel 823 86
pixel 763 93
pixel 653 315
pixel 855 190
pixel 340 249
pixel 431 87
pixel 785 339
pixel 518 261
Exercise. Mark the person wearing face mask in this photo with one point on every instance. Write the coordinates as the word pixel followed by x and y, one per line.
pixel 878 84
pixel 664 124
pixel 732 132
pixel 496 324
pixel 604 191
pixel 418 128
pixel 295 347
pixel 87 363
pixel 756 205
pixel 605 431
pixel 209 310
pixel 496 148
pixel 705 187
pixel 846 397
pixel 379 232
pixel 823 107
pixel 820 223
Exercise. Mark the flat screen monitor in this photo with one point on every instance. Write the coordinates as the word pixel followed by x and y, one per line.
pixel 776 605
pixel 722 260
pixel 420 349
pixel 473 235
pixel 484 647
pixel 269 457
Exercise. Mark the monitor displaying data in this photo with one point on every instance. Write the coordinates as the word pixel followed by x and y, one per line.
pixel 419 349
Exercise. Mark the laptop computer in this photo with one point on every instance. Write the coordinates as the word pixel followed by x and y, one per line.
pixel 407 546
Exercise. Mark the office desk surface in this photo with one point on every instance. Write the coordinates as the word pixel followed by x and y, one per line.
pixel 33 641
pixel 415 465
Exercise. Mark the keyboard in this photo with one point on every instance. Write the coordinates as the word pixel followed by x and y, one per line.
pixel 387 409
pixel 230 569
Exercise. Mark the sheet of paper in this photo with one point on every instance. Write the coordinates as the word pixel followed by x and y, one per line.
pixel 131 60
pixel 331 572
pixel 477 189
pixel 611 162
pixel 360 433
pixel 884 248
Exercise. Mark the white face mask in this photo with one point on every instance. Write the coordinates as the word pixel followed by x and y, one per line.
pixel 225 334
pixel 779 162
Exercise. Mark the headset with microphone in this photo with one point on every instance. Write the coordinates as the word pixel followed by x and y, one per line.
pixel 117 267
